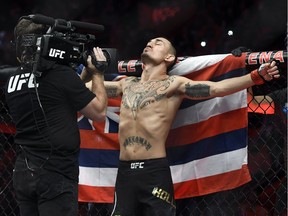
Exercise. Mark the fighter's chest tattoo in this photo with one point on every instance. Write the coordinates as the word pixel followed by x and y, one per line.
pixel 138 95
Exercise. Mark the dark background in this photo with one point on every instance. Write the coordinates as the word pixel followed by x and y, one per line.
pixel 260 25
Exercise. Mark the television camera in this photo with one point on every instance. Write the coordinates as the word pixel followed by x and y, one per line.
pixel 62 44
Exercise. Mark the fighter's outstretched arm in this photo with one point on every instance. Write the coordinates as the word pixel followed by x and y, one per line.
pixel 207 89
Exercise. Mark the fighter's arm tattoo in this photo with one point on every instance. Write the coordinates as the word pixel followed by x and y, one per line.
pixel 197 91
pixel 112 90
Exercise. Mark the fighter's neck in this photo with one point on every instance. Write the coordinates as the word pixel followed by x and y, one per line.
pixel 153 73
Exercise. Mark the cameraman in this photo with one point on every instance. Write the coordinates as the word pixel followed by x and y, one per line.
pixel 44 109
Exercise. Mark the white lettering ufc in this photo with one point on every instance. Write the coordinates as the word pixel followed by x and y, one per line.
pixel 16 82
pixel 137 165
pixel 56 53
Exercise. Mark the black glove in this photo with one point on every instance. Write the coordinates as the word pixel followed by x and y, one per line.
pixel 238 51
pixel 100 65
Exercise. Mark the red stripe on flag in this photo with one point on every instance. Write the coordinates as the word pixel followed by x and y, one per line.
pixel 94 139
pixel 192 133
pixel 116 102
pixel 95 194
pixel 228 64
pixel 212 184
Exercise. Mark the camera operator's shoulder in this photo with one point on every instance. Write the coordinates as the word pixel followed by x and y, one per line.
pixel 60 73
pixel 62 68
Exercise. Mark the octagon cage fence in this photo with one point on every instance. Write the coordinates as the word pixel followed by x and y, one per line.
pixel 265 194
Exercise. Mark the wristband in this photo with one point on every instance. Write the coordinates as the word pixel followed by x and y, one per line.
pixel 256 77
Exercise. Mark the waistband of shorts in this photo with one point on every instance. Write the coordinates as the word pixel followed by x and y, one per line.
pixel 146 162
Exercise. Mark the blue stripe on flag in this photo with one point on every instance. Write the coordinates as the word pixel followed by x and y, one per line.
pixel 99 158
pixel 208 147
pixel 177 155
pixel 84 124
pixel 113 126
pixel 233 73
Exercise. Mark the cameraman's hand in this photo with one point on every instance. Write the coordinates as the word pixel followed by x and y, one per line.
pixel 98 59
pixel 91 65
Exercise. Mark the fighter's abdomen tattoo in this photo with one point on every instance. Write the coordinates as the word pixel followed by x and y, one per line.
pixel 197 91
pixel 136 140
pixel 138 95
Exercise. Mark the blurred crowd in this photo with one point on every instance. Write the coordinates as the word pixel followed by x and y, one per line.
pixel 257 24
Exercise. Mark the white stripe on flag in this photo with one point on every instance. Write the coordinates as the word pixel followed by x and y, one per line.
pixel 207 109
pixel 209 166
pixel 101 177
pixel 196 63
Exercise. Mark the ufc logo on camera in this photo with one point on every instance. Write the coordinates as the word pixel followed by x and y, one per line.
pixel 55 53
pixel 137 165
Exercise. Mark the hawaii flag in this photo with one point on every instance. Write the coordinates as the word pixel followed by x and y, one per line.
pixel 206 146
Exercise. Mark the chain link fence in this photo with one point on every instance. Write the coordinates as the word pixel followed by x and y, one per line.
pixel 266 194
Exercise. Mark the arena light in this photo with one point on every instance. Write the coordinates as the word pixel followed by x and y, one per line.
pixel 230 33
pixel 203 43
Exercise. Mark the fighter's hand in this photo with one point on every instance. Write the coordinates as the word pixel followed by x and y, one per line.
pixel 269 71
pixel 239 50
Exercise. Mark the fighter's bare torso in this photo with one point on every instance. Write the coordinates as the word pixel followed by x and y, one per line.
pixel 147 111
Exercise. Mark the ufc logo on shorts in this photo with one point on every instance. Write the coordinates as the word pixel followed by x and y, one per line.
pixel 56 53
pixel 137 165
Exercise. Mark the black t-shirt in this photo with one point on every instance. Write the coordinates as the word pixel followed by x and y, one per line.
pixel 46 116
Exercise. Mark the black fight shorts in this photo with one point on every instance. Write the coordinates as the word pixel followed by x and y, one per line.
pixel 144 188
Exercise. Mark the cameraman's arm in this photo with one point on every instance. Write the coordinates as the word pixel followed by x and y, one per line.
pixel 99 103
pixel 85 77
